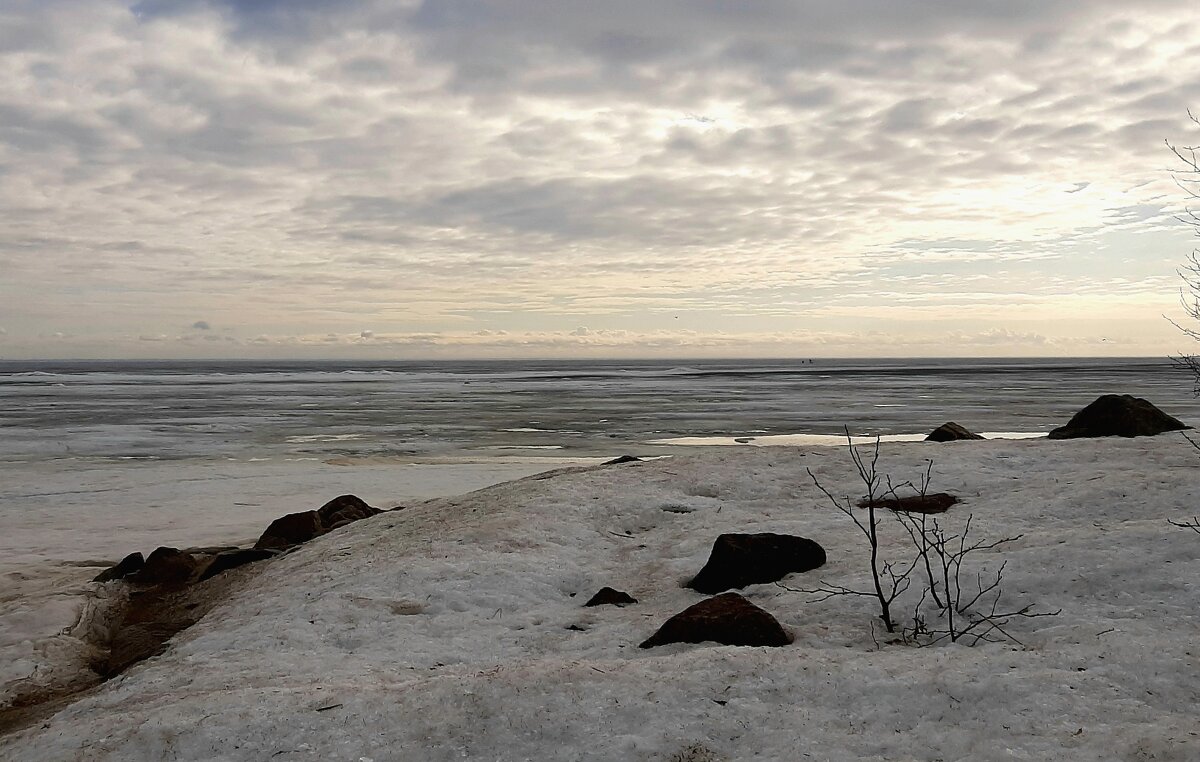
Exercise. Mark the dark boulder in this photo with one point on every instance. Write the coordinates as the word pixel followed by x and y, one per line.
pixel 950 432
pixel 130 564
pixel 738 560
pixel 231 559
pixel 728 619
pixel 289 530
pixel 344 509
pixel 1118 415
pixel 298 528
pixel 610 597
pixel 167 566
pixel 936 502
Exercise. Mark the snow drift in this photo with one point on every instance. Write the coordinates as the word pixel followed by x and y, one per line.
pixel 456 628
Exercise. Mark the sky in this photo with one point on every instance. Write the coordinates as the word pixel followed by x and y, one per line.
pixel 475 178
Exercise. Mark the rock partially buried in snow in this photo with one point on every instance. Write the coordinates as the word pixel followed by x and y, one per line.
pixel 738 560
pixel 1118 415
pixel 607 596
pixel 231 559
pixel 728 619
pixel 950 432
pixel 622 459
pixel 126 566
pixel 937 502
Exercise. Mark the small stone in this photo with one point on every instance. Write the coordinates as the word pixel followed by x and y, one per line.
pixel 607 596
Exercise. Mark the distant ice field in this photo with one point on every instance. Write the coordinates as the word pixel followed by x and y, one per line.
pixel 244 410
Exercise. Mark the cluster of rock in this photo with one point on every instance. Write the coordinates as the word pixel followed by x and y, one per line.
pixel 736 561
pixel 164 594
pixel 1111 415
pixel 174 567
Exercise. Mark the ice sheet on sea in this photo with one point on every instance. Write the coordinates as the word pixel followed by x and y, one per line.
pixel 800 440
pixel 441 632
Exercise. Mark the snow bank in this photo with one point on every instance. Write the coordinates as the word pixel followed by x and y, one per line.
pixel 441 632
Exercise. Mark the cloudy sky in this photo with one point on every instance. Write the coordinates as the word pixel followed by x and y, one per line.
pixel 301 178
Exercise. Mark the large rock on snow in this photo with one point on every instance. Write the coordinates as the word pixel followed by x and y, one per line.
pixel 728 619
pixel 738 560
pixel 128 565
pixel 950 432
pixel 167 566
pixel 289 530
pixel 344 509
pixel 298 528
pixel 1118 415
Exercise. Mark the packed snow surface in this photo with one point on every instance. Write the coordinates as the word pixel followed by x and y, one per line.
pixel 442 631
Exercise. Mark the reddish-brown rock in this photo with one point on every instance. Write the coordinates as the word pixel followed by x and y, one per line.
pixel 728 619
pixel 936 502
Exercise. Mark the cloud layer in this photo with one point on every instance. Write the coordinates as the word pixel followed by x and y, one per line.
pixel 939 177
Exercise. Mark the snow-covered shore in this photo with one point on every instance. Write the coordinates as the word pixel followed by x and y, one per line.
pixel 441 632
pixel 65 520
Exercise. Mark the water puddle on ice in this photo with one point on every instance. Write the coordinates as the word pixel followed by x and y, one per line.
pixel 323 438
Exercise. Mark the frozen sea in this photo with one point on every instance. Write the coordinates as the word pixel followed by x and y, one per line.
pixel 99 458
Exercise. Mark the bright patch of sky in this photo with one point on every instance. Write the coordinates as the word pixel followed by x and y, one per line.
pixel 451 178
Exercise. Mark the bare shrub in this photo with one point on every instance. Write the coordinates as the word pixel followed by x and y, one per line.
pixel 961 599
pixel 890 580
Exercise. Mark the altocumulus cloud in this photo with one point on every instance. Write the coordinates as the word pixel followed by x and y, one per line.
pixel 449 167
